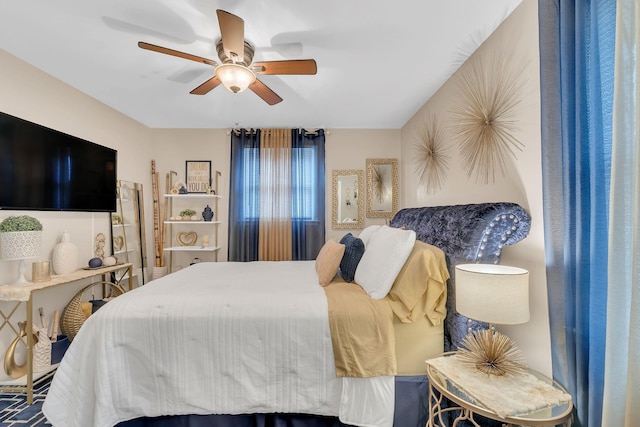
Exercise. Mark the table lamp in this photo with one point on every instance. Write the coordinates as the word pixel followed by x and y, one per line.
pixel 496 294
pixel 20 245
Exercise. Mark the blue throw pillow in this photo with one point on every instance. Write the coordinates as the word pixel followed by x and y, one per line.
pixel 353 251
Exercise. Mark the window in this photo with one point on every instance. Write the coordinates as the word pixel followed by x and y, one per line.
pixel 297 195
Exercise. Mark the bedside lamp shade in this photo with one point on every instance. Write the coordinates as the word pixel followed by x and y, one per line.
pixel 492 293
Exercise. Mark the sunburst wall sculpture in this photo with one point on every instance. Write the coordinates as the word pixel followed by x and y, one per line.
pixel 432 160
pixel 484 116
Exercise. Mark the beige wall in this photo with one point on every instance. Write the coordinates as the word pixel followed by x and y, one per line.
pixel 516 39
pixel 36 96
pixel 33 95
pixel 350 149
pixel 171 149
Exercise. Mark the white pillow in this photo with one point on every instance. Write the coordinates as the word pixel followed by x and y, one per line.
pixel 367 233
pixel 384 256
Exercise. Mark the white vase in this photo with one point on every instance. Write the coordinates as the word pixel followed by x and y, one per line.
pixel 65 255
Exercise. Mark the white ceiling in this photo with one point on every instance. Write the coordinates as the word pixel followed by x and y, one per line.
pixel 378 61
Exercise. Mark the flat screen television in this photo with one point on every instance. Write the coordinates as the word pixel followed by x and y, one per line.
pixel 44 169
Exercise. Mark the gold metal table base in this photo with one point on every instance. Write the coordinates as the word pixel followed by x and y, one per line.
pixel 8 293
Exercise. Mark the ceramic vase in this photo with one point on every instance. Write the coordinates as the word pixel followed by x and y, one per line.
pixel 65 255
pixel 11 367
pixel 207 213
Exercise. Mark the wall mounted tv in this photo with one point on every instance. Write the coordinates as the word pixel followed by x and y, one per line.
pixel 43 169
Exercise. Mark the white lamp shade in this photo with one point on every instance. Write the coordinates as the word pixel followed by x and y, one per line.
pixel 235 77
pixel 492 293
pixel 20 244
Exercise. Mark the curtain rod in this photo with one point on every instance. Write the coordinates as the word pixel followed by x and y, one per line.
pixel 236 130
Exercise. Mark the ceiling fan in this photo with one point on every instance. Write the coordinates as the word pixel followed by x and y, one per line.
pixel 237 70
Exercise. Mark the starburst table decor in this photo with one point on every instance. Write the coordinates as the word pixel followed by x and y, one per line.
pixel 492 353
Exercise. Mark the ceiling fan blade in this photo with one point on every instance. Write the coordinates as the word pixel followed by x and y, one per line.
pixel 232 33
pixel 206 87
pixel 295 66
pixel 267 95
pixel 167 51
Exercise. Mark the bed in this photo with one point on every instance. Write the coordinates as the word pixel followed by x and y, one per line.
pixel 222 344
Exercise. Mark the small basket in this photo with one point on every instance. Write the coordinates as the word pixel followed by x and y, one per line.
pixel 73 316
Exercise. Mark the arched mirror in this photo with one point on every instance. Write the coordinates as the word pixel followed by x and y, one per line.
pixel 348 205
pixel 382 188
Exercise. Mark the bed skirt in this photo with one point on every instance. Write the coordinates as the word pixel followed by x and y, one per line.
pixel 410 411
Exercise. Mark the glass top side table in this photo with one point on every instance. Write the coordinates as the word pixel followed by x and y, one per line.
pixel 441 387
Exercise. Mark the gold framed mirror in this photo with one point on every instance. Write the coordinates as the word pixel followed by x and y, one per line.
pixel 348 206
pixel 382 188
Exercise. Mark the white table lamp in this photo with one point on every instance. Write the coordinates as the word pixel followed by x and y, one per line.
pixel 19 245
pixel 494 294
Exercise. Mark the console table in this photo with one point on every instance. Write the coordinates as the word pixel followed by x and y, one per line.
pixel 23 294
pixel 460 404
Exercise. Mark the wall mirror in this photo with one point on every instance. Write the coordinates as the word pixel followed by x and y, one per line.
pixel 348 205
pixel 382 188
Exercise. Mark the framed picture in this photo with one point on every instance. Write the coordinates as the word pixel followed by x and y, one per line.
pixel 198 176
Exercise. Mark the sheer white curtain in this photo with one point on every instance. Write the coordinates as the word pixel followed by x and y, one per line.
pixel 622 362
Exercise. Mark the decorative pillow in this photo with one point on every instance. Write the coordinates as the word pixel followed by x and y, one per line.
pixel 328 261
pixel 353 251
pixel 386 253
pixel 365 235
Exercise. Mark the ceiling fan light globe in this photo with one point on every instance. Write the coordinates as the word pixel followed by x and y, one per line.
pixel 235 77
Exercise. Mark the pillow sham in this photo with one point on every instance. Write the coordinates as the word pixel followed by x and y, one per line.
pixel 353 251
pixel 385 254
pixel 365 235
pixel 328 261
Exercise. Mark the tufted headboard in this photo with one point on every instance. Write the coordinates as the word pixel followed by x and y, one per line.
pixel 473 233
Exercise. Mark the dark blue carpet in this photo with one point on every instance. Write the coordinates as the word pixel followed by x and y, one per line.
pixel 15 412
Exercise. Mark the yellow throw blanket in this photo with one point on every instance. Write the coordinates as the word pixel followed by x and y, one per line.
pixel 361 332
pixel 421 286
pixel 362 329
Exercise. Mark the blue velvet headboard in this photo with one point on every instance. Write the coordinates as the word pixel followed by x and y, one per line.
pixel 473 233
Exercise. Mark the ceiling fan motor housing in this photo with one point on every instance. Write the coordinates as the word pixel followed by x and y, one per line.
pixel 245 59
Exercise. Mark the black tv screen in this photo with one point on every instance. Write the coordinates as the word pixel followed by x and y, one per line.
pixel 44 169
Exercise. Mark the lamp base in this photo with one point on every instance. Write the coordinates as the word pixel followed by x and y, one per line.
pixel 492 353
pixel 21 270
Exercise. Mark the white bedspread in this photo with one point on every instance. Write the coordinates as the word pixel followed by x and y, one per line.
pixel 213 338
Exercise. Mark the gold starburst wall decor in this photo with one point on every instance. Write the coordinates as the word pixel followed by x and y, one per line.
pixel 432 160
pixel 492 353
pixel 484 115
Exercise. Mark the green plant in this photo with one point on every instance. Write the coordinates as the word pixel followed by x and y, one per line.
pixel 20 223
pixel 187 212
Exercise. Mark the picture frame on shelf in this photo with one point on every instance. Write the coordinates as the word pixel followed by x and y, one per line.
pixel 198 176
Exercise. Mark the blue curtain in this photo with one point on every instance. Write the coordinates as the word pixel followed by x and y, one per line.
pixel 308 194
pixel 244 200
pixel 308 190
pixel 577 46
